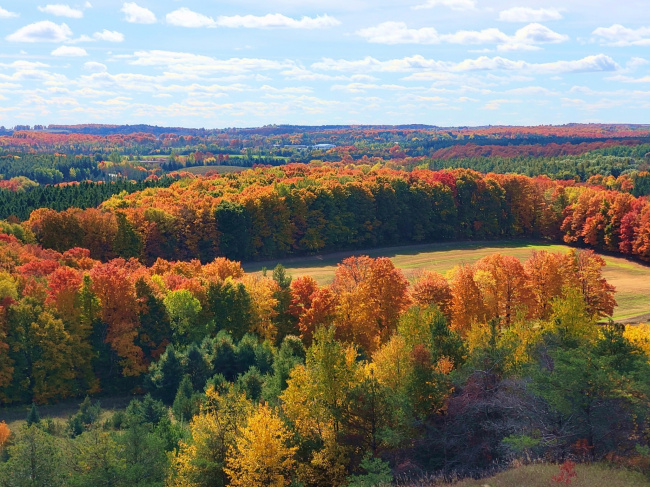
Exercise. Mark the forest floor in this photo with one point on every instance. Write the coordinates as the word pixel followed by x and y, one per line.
pixel 631 279
pixel 594 475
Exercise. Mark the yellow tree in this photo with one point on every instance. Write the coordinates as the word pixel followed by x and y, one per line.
pixel 264 303
pixel 201 459
pixel 261 456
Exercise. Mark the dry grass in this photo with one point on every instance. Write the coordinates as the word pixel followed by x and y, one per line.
pixel 631 279
pixel 542 476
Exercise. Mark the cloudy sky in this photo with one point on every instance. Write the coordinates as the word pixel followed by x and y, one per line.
pixel 227 63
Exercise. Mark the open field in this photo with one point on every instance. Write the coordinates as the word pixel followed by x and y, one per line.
pixel 15 416
pixel 595 475
pixel 218 169
pixel 631 279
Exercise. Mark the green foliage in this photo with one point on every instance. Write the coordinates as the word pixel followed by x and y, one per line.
pixel 35 460
pixel 377 474
pixel 186 402
pixel 33 417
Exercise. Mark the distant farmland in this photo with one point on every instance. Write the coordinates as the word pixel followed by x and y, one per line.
pixel 631 279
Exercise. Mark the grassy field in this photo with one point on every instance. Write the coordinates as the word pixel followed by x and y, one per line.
pixel 15 416
pixel 542 476
pixel 631 279
pixel 218 169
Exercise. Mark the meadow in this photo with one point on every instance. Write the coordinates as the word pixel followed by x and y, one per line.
pixel 631 279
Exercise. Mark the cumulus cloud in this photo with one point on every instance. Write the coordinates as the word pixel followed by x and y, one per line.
pixel 525 38
pixel 526 14
pixel 61 10
pixel 6 14
pixel 69 51
pixel 452 4
pixel 109 36
pixel 188 63
pixel 185 17
pixel 43 31
pixel 620 36
pixel 135 14
pixel 598 63
pixel 95 67
pixel 278 20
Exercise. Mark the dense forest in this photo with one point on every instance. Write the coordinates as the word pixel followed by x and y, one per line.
pixel 121 275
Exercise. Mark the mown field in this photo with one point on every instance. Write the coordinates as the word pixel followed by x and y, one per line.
pixel 596 475
pixel 218 169
pixel 631 279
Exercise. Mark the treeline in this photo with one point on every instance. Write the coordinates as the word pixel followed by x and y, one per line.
pixel 49 168
pixel 259 381
pixel 20 204
pixel 300 209
pixel 297 209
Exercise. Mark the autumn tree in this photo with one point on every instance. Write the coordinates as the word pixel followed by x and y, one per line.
pixel 261 455
pixel 201 459
pixel 432 288
pixel 370 294
pixel 504 287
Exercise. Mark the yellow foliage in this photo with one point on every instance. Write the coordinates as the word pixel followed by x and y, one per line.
pixel 264 304
pixel 639 335
pixel 392 363
pixel 261 457
pixel 201 459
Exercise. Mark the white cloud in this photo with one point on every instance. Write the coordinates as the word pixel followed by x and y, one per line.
pixel 69 51
pixel 95 67
pixel 598 63
pixel 6 14
pixel 277 20
pixel 525 38
pixel 452 4
pixel 399 33
pixel 61 10
pixel 188 64
pixel 44 31
pixel 526 14
pixel 109 36
pixel 620 36
pixel 135 14
pixel 184 17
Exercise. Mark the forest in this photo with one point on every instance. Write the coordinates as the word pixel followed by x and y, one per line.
pixel 117 285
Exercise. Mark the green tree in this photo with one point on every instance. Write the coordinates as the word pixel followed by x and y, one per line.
pixel 34 461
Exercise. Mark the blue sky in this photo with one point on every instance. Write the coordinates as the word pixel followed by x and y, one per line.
pixel 244 63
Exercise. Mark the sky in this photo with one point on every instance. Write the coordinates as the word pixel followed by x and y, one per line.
pixel 248 63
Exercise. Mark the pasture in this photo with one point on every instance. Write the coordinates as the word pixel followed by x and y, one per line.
pixel 631 279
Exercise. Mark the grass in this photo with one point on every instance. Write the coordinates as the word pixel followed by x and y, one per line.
pixel 596 475
pixel 631 279
pixel 15 416
pixel 219 169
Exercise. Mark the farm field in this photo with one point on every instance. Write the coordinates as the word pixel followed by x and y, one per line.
pixel 631 279
pixel 200 170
